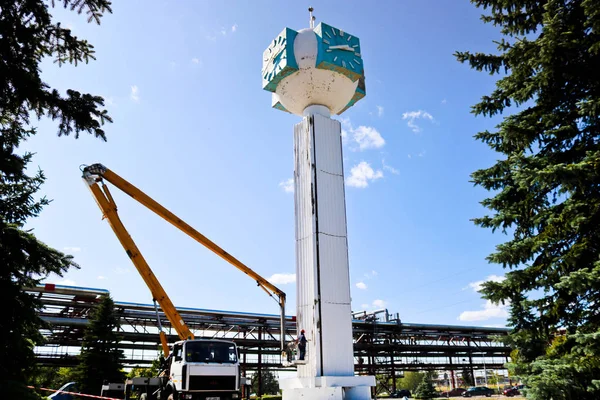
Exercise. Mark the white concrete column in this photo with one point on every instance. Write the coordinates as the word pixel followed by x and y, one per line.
pixel 323 282
pixel 322 273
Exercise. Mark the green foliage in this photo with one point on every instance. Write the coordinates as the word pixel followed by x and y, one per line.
pixel 29 34
pixel 269 384
pixel 100 358
pixel 492 378
pixel 140 372
pixel 425 390
pixel 149 372
pixel 24 259
pixel 410 381
pixel 546 188
pixel 51 377
pixel 467 377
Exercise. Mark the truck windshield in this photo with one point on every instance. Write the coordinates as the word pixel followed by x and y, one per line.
pixel 210 352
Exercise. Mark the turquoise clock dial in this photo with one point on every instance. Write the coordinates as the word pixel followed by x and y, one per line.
pixel 279 60
pixel 339 51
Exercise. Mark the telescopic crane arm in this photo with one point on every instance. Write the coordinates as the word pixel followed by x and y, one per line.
pixel 95 175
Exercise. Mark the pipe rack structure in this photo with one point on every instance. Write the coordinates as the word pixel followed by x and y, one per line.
pixel 382 345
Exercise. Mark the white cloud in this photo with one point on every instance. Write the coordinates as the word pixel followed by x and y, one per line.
pixel 287 185
pixel 361 174
pixel 282 279
pixel 101 278
pixel 361 285
pixel 196 61
pixel 344 136
pixel 172 64
pixel 476 286
pixel 490 310
pixel 135 93
pixel 444 101
pixel 420 154
pixel 345 127
pixel 67 282
pixel 72 249
pixel 379 111
pixel 367 137
pixel 412 116
pixel 234 28
pixel 379 303
pixel 122 271
pixel 364 306
pixel 223 31
pixel 211 38
pixel 389 168
pixel 371 274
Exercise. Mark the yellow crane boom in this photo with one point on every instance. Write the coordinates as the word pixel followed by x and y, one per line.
pixel 94 176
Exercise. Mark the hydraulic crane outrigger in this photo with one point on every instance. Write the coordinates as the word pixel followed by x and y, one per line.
pixel 96 174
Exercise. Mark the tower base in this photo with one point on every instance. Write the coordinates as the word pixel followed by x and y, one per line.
pixel 327 388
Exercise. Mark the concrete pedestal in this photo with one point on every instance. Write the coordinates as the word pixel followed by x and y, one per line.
pixel 328 387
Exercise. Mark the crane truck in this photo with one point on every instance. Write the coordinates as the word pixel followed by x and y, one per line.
pixel 197 369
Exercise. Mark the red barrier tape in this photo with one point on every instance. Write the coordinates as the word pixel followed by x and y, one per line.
pixel 75 394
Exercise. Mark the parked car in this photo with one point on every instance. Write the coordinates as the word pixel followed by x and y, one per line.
pixel 513 391
pixel 478 391
pixel 453 393
pixel 400 393
pixel 70 387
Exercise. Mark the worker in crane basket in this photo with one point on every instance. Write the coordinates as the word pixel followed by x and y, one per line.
pixel 302 344
pixel 290 350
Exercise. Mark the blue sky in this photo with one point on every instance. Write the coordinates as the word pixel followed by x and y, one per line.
pixel 193 129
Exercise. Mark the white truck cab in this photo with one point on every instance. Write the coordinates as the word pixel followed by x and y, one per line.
pixel 205 369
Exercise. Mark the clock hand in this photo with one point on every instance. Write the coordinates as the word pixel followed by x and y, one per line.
pixel 341 47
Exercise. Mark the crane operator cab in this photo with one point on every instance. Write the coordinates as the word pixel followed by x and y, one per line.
pixel 206 369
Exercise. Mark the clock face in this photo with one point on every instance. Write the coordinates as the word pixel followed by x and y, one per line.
pixel 340 51
pixel 273 57
pixel 344 48
pixel 279 60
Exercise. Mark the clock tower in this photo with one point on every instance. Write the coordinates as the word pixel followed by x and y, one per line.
pixel 315 73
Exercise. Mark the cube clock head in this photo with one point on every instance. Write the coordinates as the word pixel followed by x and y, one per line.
pixel 279 60
pixel 320 66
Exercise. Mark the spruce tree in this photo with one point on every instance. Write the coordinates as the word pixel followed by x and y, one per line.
pixel 425 390
pixel 23 261
pixel 467 377
pixel 546 188
pixel 268 385
pixel 28 35
pixel 100 358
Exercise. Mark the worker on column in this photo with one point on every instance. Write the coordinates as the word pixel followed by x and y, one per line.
pixel 302 344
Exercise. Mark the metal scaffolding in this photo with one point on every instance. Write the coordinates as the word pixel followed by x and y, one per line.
pixel 383 345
